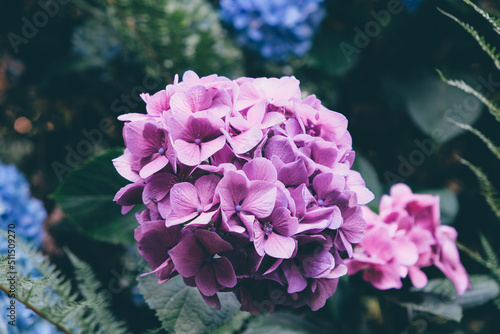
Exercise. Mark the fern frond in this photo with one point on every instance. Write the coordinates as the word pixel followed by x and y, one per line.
pixel 495 22
pixel 52 297
pixel 88 286
pixel 488 250
pixel 490 50
pixel 460 84
pixel 487 188
pixel 492 147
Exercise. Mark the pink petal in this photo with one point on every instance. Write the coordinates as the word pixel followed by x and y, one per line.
pixel 209 148
pixel 279 247
pixel 260 199
pixel 245 141
pixel 260 169
pixel 205 187
pixel 153 166
pixel 188 153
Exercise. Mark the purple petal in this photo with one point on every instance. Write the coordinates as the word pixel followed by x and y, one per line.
pixel 260 169
pixel 245 141
pixel 296 282
pixel 206 281
pixel 187 256
pixel 212 242
pixel 153 166
pixel 205 187
pixel 293 174
pixel 260 199
pixel 188 153
pixel 283 223
pixel 211 147
pixel 159 186
pixel 279 247
pixel 224 272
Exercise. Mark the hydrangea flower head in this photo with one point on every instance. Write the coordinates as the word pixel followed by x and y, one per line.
pixel 274 28
pixel 248 189
pixel 404 237
pixel 18 207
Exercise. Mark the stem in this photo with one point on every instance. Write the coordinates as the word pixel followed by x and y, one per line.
pixel 34 309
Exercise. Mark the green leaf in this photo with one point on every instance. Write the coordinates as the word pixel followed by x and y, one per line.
pixel 484 289
pixel 234 325
pixel 431 103
pixel 86 196
pixel 448 203
pixel 369 174
pixel 280 322
pixel 181 309
pixel 434 305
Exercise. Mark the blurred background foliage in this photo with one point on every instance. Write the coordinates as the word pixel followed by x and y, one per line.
pixel 93 58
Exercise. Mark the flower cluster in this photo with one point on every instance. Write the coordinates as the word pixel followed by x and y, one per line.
pixel 248 188
pixel 27 214
pixel 403 238
pixel 412 5
pixel 274 28
pixel 18 207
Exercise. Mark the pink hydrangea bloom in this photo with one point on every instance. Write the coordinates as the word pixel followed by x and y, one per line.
pixel 405 237
pixel 248 189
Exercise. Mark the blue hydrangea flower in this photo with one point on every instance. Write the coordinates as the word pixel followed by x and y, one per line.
pixel 274 28
pixel 27 214
pixel 412 5
pixel 18 207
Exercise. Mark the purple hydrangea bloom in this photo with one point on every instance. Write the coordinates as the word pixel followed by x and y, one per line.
pixel 256 193
pixel 274 28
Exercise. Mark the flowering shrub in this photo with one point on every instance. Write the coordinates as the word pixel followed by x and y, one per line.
pixel 274 28
pixel 247 188
pixel 403 238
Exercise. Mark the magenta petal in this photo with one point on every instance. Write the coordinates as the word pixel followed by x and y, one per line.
pixel 184 199
pixel 224 272
pixel 260 169
pixel 213 243
pixel 212 300
pixel 353 228
pixel 260 199
pixel 211 147
pixel 153 166
pixel 278 246
pixel 293 174
pixel 417 276
pixel 296 282
pixel 206 281
pixel 205 187
pixel 245 141
pixel 259 239
pixel 187 256
pixel 188 153
pixel 283 223
pixel 159 186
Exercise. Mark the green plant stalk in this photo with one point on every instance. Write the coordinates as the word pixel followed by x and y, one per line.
pixel 38 312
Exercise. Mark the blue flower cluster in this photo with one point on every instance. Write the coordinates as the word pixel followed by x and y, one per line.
pixel 274 28
pixel 27 214
pixel 18 207
pixel 412 5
